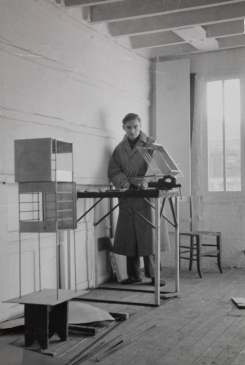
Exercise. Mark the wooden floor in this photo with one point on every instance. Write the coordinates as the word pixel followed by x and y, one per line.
pixel 201 327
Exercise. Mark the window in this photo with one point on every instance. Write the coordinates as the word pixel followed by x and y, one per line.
pixel 224 135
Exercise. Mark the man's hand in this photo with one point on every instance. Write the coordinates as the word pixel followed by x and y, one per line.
pixel 144 185
pixel 126 185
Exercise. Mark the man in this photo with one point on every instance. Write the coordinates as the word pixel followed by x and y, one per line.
pixel 134 237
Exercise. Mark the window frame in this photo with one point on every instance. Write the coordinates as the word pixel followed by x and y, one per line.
pixel 222 77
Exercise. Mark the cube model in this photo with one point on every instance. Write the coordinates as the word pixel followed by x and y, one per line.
pixel 47 193
pixel 43 159
pixel 47 206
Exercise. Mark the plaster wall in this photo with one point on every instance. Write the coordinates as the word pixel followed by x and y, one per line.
pixel 63 79
pixel 217 211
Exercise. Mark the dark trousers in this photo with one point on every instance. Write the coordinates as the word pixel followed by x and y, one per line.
pixel 133 266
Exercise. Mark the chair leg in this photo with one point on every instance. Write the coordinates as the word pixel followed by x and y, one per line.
pixel 199 256
pixel 191 252
pixel 219 255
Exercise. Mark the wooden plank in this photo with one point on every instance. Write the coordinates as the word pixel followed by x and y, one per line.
pixel 201 327
pixel 91 331
pixel 177 20
pixel 224 340
pixel 229 354
pixel 225 29
pixel 87 2
pixel 131 288
pixel 133 9
pixel 47 297
pixel 13 355
pixel 240 302
pixel 120 316
pixel 240 358
pixel 120 297
pixel 232 41
pixel 155 39
pixel 172 50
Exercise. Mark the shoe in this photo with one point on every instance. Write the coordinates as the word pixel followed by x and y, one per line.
pixel 131 280
pixel 162 283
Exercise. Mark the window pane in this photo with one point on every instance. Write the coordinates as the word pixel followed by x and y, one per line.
pixel 232 115
pixel 215 136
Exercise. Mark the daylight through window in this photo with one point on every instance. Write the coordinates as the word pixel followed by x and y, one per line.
pixel 224 135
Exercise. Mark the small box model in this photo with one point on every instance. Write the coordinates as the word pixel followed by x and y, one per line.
pixel 47 193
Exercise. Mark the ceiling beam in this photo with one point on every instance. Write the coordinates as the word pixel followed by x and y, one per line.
pixel 155 39
pixel 177 20
pixel 225 29
pixel 233 41
pixel 87 2
pixel 122 10
pixel 174 50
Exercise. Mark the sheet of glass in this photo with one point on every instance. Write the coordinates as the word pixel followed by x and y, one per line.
pixel 232 117
pixel 215 136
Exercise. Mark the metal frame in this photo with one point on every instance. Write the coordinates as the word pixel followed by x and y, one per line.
pixel 148 193
pixel 36 187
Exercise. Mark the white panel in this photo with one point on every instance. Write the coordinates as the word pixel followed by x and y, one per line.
pixel 197 37
pixel 48 266
pixel 81 261
pixel 173 114
pixel 27 274
pixel 62 175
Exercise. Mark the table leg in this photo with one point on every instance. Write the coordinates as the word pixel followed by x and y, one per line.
pixel 177 244
pixel 157 251
pixel 58 321
pixel 43 321
pixel 37 324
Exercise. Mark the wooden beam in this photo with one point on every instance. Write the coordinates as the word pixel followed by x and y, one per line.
pixel 225 29
pixel 122 10
pixel 178 20
pixel 186 49
pixel 174 50
pixel 232 41
pixel 155 39
pixel 87 2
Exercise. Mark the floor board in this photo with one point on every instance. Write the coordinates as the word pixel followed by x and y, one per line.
pixel 202 327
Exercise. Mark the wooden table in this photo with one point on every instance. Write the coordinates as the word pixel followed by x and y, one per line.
pixel 157 194
pixel 46 315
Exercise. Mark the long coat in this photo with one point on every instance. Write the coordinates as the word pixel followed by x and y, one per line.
pixel 132 232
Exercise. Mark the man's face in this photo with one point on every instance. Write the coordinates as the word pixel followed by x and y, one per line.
pixel 132 129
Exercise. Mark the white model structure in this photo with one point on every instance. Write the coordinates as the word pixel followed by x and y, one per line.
pixel 158 160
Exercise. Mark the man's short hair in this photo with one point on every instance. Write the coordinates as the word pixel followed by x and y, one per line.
pixel 129 117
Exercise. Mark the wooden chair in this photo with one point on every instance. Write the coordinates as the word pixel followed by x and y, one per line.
pixel 193 251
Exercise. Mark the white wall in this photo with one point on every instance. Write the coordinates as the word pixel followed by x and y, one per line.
pixel 61 79
pixel 173 115
pixel 173 128
pixel 217 211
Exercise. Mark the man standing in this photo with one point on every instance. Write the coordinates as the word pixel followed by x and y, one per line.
pixel 134 237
